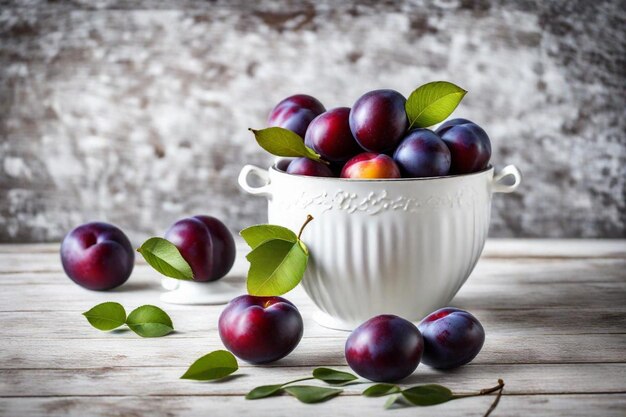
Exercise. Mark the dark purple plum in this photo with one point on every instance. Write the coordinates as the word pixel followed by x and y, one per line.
pixel 97 256
pixel 378 120
pixel 329 135
pixel 308 167
pixel 422 153
pixel 452 338
pixel 385 348
pixel 206 244
pixel 469 145
pixel 260 329
pixel 295 113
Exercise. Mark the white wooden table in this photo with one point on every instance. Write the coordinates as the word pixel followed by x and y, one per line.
pixel 554 312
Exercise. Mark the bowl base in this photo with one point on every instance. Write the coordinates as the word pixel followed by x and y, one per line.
pixel 326 320
pixel 198 293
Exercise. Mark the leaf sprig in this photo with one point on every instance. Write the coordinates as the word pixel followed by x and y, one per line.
pixel 146 321
pixel 278 258
pixel 308 394
pixel 425 395
pixel 419 395
pixel 426 106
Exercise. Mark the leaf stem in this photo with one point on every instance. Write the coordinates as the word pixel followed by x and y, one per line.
pixel 297 380
pixel 483 391
pixel 308 220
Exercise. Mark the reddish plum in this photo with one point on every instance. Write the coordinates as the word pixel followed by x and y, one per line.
pixel 385 348
pixel 452 338
pixel 370 165
pixel 422 153
pixel 469 145
pixel 206 244
pixel 260 329
pixel 97 256
pixel 329 135
pixel 295 113
pixel 308 167
pixel 378 120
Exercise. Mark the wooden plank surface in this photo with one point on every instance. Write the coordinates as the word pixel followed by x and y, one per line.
pixel 554 312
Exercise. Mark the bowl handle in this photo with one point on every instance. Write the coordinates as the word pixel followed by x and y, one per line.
pixel 264 190
pixel 512 170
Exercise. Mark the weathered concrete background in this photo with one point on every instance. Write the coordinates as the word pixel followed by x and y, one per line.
pixel 138 114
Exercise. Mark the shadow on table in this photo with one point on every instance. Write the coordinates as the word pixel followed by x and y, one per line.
pixel 136 286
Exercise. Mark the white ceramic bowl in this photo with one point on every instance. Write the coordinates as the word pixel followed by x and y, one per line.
pixel 399 246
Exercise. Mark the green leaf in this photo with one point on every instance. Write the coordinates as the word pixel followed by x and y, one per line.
pixel 380 390
pixel 261 233
pixel 392 400
pixel 332 376
pixel 214 365
pixel 149 321
pixel 276 267
pixel 429 394
pixel 431 103
pixel 106 316
pixel 264 391
pixel 163 256
pixel 310 394
pixel 284 142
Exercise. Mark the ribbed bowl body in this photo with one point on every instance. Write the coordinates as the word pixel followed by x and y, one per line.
pixel 403 247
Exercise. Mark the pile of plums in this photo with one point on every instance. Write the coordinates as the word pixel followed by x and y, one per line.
pixel 385 348
pixel 388 348
pixel 99 256
pixel 372 139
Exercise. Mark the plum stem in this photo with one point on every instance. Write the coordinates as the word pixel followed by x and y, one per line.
pixel 495 402
pixel 483 391
pixel 308 220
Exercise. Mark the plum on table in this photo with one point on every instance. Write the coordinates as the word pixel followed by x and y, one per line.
pixel 260 329
pixel 385 348
pixel 452 337
pixel 97 256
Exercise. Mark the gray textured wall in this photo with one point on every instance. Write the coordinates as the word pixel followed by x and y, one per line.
pixel 136 112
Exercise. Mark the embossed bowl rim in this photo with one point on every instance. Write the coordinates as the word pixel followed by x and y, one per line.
pixel 497 186
pixel 275 168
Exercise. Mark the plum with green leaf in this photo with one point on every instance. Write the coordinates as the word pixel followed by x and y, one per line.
pixel 206 244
